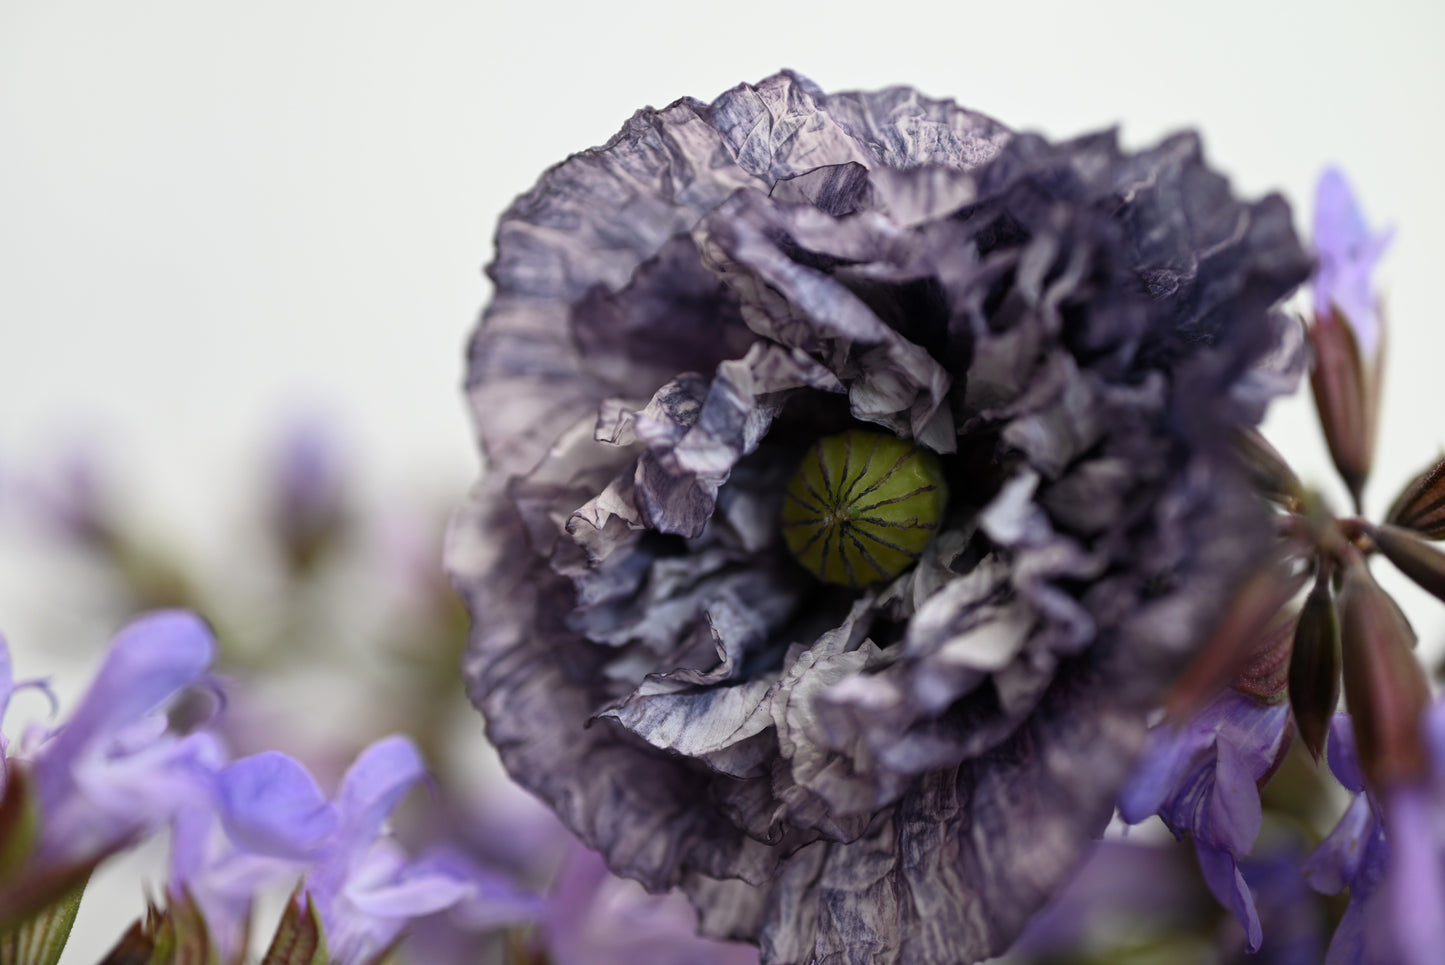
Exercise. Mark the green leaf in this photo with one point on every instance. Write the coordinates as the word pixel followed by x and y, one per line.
pixel 300 938
pixel 41 938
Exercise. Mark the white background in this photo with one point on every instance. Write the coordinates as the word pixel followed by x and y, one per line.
pixel 211 213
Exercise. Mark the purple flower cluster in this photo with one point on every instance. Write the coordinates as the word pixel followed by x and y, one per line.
pixel 1389 851
pixel 1202 777
pixel 116 771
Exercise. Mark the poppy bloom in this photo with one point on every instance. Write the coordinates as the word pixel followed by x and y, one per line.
pixel 787 297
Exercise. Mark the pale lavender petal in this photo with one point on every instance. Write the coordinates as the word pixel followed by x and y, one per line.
pixel 108 798
pixel 492 900
pixel 149 661
pixel 270 804
pixel 373 786
pixel 1348 251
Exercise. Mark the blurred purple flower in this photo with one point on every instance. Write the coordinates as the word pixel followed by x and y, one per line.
pixel 265 820
pixel 595 918
pixel 1390 854
pixel 115 771
pixel 69 496
pixel 365 887
pixel 1348 251
pixel 1202 778
pixel 309 486
pixel 1120 888
pixel 271 824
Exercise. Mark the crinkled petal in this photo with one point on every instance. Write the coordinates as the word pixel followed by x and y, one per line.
pixel 1336 862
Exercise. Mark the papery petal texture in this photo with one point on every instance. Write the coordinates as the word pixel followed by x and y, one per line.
pixel 901 772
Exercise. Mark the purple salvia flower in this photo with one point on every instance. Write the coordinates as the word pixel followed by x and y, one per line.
pixel 264 823
pixel 365 887
pixel 113 771
pixel 1390 853
pixel 1348 252
pixel 269 824
pixel 1202 778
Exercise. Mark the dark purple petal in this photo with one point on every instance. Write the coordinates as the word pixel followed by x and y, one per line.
pixel 1222 875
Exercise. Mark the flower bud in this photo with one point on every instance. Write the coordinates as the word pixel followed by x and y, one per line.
pixel 1346 394
pixel 1267 469
pixel 1314 666
pixel 1236 641
pixel 1413 556
pixel 1385 688
pixel 1421 504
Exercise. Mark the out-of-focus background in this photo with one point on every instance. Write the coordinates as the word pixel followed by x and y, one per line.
pixel 217 220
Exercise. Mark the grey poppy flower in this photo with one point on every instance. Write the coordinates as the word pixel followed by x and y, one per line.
pixel 901 771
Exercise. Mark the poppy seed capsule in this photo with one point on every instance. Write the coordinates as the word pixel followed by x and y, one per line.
pixel 862 506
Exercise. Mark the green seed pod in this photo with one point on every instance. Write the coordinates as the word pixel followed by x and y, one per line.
pixel 862 507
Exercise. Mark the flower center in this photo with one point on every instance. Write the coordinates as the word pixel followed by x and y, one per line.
pixel 862 506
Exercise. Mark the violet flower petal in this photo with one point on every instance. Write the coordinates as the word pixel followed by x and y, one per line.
pixel 374 784
pixel 1414 882
pixel 270 805
pixel 1348 252
pixel 149 661
pixel 1343 759
pixel 1226 882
